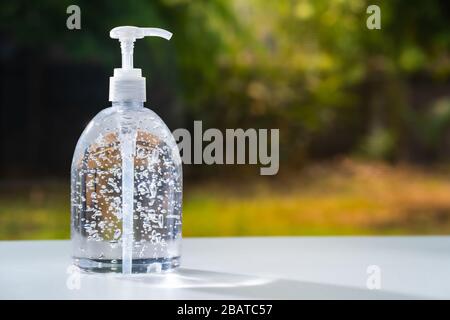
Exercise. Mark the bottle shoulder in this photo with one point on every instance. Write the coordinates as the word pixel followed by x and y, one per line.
pixel 112 119
pixel 108 123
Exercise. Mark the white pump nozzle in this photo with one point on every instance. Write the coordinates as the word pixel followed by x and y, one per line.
pixel 127 83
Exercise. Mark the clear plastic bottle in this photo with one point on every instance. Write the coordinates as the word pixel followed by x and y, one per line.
pixel 126 180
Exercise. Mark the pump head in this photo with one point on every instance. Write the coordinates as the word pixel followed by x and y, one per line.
pixel 127 84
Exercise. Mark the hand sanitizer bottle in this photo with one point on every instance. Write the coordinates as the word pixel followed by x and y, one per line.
pixel 126 179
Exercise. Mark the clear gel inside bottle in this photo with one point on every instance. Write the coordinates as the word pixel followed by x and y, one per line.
pixel 126 193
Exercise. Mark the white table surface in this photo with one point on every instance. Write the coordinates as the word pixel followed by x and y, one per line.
pixel 242 268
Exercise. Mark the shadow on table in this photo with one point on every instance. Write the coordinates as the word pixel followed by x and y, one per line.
pixel 245 286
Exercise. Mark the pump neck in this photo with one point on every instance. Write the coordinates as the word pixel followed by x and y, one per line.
pixel 128 104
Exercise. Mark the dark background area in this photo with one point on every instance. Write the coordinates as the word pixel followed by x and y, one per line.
pixel 380 93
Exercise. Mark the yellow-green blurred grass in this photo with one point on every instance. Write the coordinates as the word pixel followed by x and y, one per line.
pixel 36 212
pixel 346 197
pixel 343 197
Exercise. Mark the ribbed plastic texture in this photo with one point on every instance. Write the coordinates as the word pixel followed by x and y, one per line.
pixel 127 85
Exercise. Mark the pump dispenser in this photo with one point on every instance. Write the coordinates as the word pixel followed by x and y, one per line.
pixel 126 179
pixel 128 83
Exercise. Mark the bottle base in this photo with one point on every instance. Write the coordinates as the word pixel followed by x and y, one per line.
pixel 153 265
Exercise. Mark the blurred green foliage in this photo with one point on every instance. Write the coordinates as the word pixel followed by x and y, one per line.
pixel 308 67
